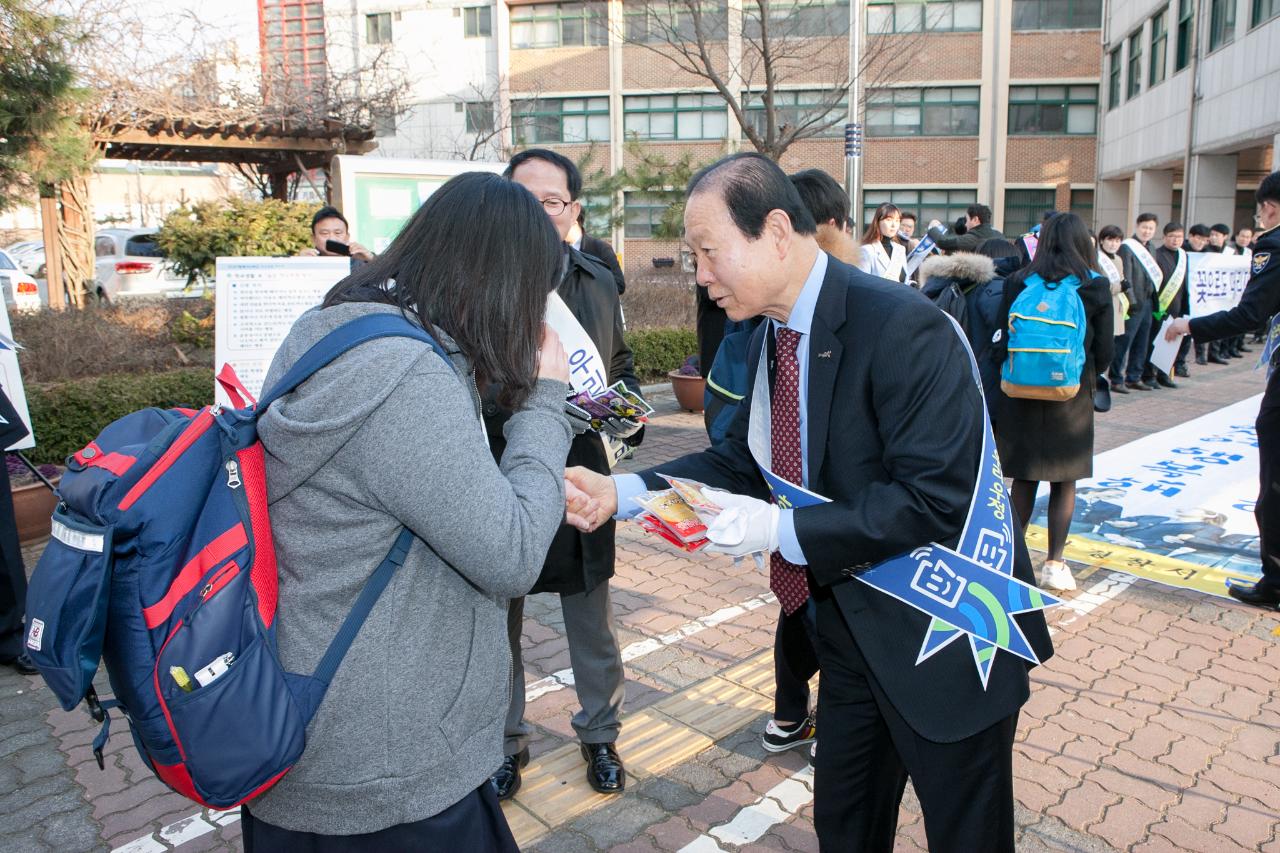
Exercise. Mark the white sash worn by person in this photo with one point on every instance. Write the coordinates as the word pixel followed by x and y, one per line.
pixel 1148 262
pixel 1119 302
pixel 587 371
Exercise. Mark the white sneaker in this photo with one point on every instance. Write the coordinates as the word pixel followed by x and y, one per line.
pixel 1056 575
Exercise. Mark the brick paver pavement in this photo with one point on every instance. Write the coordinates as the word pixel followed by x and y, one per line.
pixel 1155 727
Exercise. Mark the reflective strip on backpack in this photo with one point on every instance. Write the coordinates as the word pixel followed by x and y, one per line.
pixel 1067 323
pixel 77 539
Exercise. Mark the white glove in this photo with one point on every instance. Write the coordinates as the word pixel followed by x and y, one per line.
pixel 744 526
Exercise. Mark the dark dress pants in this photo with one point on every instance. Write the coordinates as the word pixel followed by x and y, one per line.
pixel 474 824
pixel 1132 347
pixel 794 663
pixel 1267 510
pixel 868 751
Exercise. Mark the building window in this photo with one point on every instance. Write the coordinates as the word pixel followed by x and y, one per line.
pixel 560 120
pixel 1159 47
pixel 1135 65
pixel 1264 10
pixel 1182 57
pixel 1023 209
pixel 479 116
pixel 1053 109
pixel 934 16
pixel 941 111
pixel 560 25
pixel 655 23
pixel 377 28
pixel 675 117
pixel 294 56
pixel 1057 14
pixel 642 213
pixel 477 22
pixel 1222 23
pixel 1114 73
pixel 805 108
pixel 943 205
pixel 791 18
pixel 1082 205
pixel 384 122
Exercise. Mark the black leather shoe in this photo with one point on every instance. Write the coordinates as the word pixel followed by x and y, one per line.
pixel 1235 354
pixel 1151 384
pixel 21 663
pixel 1201 360
pixel 1136 386
pixel 1163 379
pixel 1180 370
pixel 506 781
pixel 605 772
pixel 1217 359
pixel 1118 388
pixel 1257 594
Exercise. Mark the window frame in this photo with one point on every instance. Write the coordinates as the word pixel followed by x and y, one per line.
pixel 923 104
pixel 1066 102
pixel 1222 29
pixel 1256 15
pixel 1035 208
pixel 471 109
pixel 672 14
pixel 653 204
pixel 753 105
pixel 924 17
pixel 711 103
pixel 1182 50
pixel 1133 65
pixel 794 11
pixel 1158 66
pixel 472 19
pixel 374 30
pixel 518 115
pixel 1115 77
pixel 1071 22
pixel 873 197
pixel 595 27
pixel 1079 208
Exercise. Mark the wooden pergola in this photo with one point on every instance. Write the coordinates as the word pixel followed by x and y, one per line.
pixel 275 149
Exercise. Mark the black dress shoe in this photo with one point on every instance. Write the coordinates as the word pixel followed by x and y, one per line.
pixel 506 781
pixel 1217 359
pixel 1180 370
pixel 1257 594
pixel 1137 386
pixel 21 663
pixel 1201 360
pixel 1151 384
pixel 1118 388
pixel 605 772
pixel 1163 379
pixel 1235 354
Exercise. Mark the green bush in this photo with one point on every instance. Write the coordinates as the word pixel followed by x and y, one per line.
pixel 68 415
pixel 657 351
pixel 194 236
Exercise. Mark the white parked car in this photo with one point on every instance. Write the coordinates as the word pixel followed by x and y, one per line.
pixel 29 255
pixel 20 290
pixel 129 263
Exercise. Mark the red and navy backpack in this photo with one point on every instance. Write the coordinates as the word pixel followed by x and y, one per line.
pixel 162 565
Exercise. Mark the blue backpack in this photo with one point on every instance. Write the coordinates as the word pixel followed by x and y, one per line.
pixel 727 380
pixel 162 564
pixel 1045 341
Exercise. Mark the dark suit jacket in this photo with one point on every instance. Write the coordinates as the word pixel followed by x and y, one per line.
pixel 895 442
pixel 597 249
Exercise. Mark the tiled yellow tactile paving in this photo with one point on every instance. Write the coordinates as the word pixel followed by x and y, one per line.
pixel 554 788
pixel 716 707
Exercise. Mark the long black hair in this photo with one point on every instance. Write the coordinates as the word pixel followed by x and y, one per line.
pixel 1065 249
pixel 476 262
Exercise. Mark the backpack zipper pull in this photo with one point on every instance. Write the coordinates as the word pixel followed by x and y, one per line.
pixel 233 474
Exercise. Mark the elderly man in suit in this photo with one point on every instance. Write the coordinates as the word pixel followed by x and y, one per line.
pixel 896 444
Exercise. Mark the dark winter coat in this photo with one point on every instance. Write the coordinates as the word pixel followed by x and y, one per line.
pixel 577 561
pixel 975 275
pixel 969 241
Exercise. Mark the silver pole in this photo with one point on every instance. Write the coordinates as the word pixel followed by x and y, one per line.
pixel 853 160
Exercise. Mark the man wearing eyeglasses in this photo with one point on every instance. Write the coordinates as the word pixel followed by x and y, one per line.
pixel 579 565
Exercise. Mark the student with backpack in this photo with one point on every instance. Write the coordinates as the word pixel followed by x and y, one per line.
pixel 1059 331
pixel 389 437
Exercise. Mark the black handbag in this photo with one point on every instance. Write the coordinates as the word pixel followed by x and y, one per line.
pixel 1102 394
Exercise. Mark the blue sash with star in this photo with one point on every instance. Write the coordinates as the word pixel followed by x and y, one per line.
pixel 969 591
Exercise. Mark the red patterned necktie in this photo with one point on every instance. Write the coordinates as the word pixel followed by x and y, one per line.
pixel 786 579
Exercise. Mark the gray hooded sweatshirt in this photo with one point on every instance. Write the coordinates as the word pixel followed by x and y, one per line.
pixel 386 436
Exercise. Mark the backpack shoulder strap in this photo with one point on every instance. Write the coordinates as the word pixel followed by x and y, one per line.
pixel 343 339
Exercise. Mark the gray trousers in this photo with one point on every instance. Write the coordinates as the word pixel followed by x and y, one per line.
pixel 597 668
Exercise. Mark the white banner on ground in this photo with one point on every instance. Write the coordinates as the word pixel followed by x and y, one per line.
pixel 1215 282
pixel 11 380
pixel 1174 507
pixel 257 301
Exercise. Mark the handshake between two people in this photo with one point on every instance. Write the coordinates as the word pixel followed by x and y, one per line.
pixel 742 525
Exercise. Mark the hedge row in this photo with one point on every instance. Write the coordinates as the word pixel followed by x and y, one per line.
pixel 68 415
pixel 658 350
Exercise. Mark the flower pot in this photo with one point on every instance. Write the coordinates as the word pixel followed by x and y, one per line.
pixel 689 390
pixel 33 507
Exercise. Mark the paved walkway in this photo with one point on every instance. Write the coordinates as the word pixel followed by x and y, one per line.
pixel 1155 727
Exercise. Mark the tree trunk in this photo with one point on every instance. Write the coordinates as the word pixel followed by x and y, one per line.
pixel 75 233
